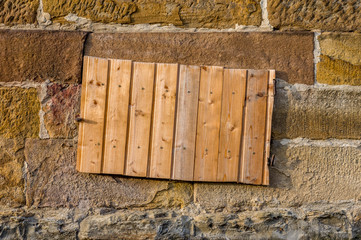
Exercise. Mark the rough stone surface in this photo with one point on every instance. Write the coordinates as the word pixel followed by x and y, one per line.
pixel 316 112
pixel 52 181
pixel 18 11
pixel 61 106
pixel 304 172
pixel 19 113
pixel 291 54
pixel 40 55
pixel 11 172
pixel 339 15
pixel 317 221
pixel 190 13
pixel 340 60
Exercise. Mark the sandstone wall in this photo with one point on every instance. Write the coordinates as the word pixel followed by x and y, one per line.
pixel 315 184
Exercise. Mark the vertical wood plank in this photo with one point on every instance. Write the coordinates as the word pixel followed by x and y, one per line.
pixel 270 101
pixel 163 121
pixel 254 127
pixel 234 90
pixel 93 112
pixel 208 124
pixel 186 123
pixel 117 116
pixel 140 119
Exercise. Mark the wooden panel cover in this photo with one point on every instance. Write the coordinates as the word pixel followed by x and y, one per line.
pixel 170 121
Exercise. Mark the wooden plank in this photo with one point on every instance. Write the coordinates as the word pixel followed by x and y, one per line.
pixel 186 123
pixel 234 90
pixel 208 124
pixel 117 116
pixel 270 101
pixel 254 127
pixel 93 112
pixel 140 119
pixel 163 121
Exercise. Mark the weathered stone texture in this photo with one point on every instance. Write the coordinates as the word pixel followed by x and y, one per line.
pixel 340 60
pixel 189 13
pixel 304 172
pixel 52 181
pixel 317 221
pixel 41 55
pixel 18 11
pixel 316 112
pixel 291 54
pixel 19 113
pixel 11 172
pixel 61 106
pixel 339 15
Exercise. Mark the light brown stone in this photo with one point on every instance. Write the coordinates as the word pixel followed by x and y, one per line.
pixel 339 15
pixel 19 113
pixel 316 112
pixel 18 11
pixel 340 60
pixel 61 106
pixel 189 13
pixel 291 54
pixel 40 55
pixel 11 172
pixel 52 181
pixel 304 172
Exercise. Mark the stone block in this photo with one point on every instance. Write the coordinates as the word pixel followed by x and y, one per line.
pixel 61 105
pixel 316 112
pixel 52 181
pixel 304 172
pixel 11 172
pixel 190 13
pixel 18 11
pixel 339 15
pixel 19 113
pixel 40 55
pixel 340 60
pixel 291 54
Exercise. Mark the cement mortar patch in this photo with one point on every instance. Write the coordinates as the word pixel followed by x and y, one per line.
pixel 291 54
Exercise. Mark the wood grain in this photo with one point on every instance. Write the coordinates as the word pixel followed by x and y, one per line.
pixel 91 132
pixel 186 123
pixel 117 116
pixel 254 128
pixel 163 121
pixel 208 123
pixel 140 119
pixel 270 102
pixel 234 90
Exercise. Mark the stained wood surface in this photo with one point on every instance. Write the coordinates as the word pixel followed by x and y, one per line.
pixel 234 90
pixel 140 119
pixel 170 121
pixel 208 124
pixel 91 129
pixel 254 127
pixel 117 116
pixel 186 123
pixel 163 121
pixel 270 102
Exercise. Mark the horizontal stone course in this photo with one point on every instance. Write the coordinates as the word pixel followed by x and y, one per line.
pixel 340 60
pixel 19 112
pixel 291 54
pixel 189 13
pixel 313 112
pixel 28 55
pixel 52 181
pixel 339 15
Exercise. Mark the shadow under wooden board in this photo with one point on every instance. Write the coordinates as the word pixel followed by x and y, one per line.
pixel 171 121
